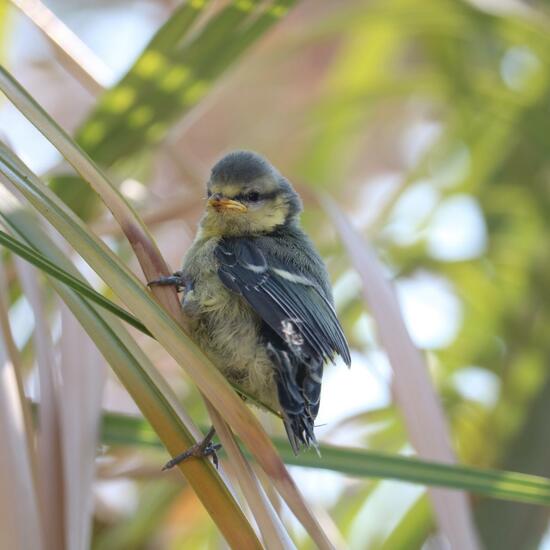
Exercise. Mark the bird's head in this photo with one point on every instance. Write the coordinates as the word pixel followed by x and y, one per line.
pixel 247 196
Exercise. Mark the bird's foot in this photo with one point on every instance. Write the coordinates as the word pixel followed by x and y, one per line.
pixel 201 449
pixel 176 279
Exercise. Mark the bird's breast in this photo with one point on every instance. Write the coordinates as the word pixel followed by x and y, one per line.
pixel 221 320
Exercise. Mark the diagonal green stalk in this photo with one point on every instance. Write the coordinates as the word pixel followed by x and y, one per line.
pixel 55 271
pixel 127 430
pixel 148 389
pixel 274 534
pixel 157 320
pixel 149 257
pixel 39 260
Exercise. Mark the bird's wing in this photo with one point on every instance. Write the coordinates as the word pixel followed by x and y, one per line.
pixel 299 325
pixel 293 306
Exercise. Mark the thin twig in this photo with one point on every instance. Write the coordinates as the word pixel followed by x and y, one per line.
pixel 176 207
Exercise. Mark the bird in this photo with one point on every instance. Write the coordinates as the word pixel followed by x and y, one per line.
pixel 258 297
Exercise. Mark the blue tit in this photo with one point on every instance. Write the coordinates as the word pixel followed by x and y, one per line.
pixel 257 293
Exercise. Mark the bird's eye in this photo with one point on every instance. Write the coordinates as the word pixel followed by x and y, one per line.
pixel 208 193
pixel 253 196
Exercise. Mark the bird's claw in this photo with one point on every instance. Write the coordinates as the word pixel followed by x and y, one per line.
pixel 197 452
pixel 176 279
pixel 202 449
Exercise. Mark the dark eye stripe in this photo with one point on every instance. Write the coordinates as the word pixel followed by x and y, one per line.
pixel 260 196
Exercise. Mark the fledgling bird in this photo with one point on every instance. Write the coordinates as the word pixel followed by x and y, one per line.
pixel 257 293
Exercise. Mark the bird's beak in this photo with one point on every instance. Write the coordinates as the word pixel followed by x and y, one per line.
pixel 221 205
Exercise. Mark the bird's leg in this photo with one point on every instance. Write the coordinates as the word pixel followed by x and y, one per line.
pixel 201 449
pixel 177 279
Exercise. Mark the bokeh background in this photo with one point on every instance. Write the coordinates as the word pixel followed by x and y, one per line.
pixel 427 122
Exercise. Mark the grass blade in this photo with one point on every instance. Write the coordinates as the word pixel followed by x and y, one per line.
pixel 149 390
pixel 146 251
pixel 208 379
pixel 20 521
pixel 123 430
pixel 33 256
pixel 422 412
pixel 19 518
pixel 50 460
pixel 38 260
pixel 163 327
pixel 273 532
pixel 73 53
pixel 414 527
pixel 14 356
pixel 82 372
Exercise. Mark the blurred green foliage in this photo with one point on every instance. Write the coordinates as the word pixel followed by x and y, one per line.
pixel 482 78
pixel 176 70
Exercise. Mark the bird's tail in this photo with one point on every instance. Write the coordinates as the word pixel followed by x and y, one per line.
pixel 299 388
pixel 300 433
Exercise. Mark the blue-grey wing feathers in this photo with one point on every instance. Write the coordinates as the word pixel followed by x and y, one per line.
pixel 300 327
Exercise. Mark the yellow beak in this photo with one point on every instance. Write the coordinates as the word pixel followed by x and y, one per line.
pixel 227 204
